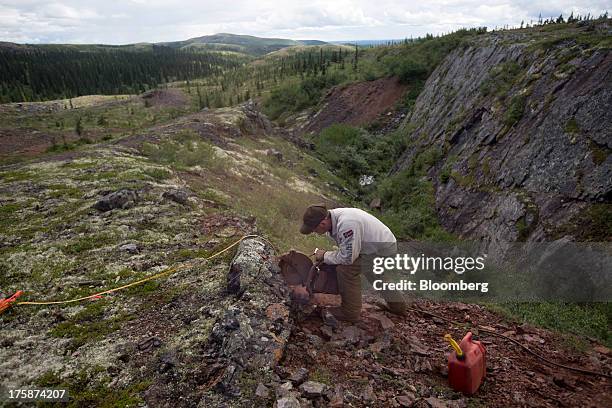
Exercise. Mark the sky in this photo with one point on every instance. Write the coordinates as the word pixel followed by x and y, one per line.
pixel 133 21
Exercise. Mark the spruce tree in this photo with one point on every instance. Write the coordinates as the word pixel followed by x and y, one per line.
pixel 78 128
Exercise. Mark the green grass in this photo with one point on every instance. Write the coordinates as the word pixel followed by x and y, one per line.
pixel 279 213
pixel 322 375
pixel 64 191
pixel 584 320
pixel 157 173
pixel 15 175
pixel 9 216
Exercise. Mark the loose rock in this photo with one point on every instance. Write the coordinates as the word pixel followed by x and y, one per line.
pixel 313 389
pixel 178 196
pixel 119 199
pixel 299 376
pixel 288 402
pixel 262 391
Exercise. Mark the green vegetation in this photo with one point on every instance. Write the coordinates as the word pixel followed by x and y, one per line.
pixel 185 150
pixel 34 73
pixel 246 44
pixel 68 146
pixel 88 325
pixel 87 243
pixel 411 62
pixel 121 117
pixel 409 201
pixel 294 97
pixel 157 173
pixel 353 152
pixel 408 196
pixel 591 320
pixel 9 216
pixel 572 126
pixel 595 221
pixel 322 375
pixel 415 60
pixel 277 211
pixel 515 111
pixel 86 390
pixel 501 79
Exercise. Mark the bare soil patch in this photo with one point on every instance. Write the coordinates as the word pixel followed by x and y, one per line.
pixel 358 104
pixel 166 98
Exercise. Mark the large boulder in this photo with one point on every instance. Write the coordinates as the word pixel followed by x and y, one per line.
pixel 119 199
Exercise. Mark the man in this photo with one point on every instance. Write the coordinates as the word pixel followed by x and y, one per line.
pixel 357 234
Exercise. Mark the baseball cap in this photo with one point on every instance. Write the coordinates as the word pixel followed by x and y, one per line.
pixel 313 215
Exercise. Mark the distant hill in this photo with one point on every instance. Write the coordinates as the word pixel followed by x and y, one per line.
pixel 296 49
pixel 41 72
pixel 38 72
pixel 246 44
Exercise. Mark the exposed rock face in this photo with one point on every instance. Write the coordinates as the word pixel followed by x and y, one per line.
pixel 250 337
pixel 256 121
pixel 523 133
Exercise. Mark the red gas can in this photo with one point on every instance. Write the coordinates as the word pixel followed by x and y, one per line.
pixel 466 365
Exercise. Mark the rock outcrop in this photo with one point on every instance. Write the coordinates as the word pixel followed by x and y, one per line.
pixel 522 130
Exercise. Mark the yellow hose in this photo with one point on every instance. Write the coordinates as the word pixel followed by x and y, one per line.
pixel 138 282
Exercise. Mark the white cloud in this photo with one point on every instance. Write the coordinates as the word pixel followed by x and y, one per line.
pixel 113 22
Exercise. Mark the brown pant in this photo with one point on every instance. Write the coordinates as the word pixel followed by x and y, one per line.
pixel 349 286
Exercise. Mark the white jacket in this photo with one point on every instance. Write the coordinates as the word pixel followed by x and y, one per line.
pixel 356 232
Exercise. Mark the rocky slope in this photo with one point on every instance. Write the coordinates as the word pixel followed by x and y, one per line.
pixel 83 221
pixel 520 122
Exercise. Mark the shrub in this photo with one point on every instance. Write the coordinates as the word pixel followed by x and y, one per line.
pixel 353 152
pixel 515 110
pixel 293 97
pixel 343 148
pixel 572 126
pixel 185 150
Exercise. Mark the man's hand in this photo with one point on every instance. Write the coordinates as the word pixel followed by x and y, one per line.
pixel 319 253
pixel 300 294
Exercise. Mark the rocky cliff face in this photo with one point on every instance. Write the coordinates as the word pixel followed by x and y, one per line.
pixel 521 125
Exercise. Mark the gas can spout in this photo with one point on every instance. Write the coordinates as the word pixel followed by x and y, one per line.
pixel 455 346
